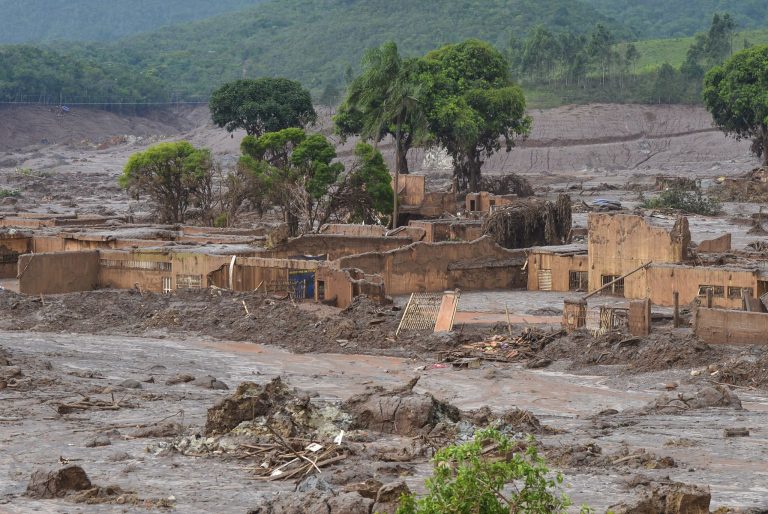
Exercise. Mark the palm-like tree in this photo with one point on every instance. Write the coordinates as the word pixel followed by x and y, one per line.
pixel 385 96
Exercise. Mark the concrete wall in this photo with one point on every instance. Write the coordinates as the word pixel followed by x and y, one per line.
pixel 619 243
pixel 334 246
pixel 341 286
pixel 658 282
pixel 717 245
pixel 483 201
pixel 53 273
pixel 425 267
pixel 343 229
pixel 560 267
pixel 253 272
pixel 718 326
pixel 11 247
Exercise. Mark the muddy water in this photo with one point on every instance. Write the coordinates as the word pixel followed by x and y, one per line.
pixel 32 435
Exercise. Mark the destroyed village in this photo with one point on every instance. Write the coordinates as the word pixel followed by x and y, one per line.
pixel 366 257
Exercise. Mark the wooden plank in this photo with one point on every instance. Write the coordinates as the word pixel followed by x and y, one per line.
pixel 447 312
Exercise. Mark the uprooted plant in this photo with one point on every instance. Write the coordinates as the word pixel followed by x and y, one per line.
pixel 491 474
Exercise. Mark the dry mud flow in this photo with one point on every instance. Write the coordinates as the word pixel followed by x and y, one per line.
pixel 120 383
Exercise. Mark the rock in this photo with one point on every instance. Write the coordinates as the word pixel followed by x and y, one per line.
pixel 368 489
pixel 181 378
pixel 313 483
pixel 99 440
pixel 149 380
pixel 391 492
pixel 210 382
pixel 249 401
pixel 538 363
pixel 8 372
pixel 119 457
pixel 130 384
pixel 56 484
pixel 349 503
pixel 400 411
pixel 160 430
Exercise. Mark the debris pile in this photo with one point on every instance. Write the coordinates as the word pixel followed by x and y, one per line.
pixel 528 223
pixel 667 497
pixel 750 187
pixel 693 399
pixel 742 371
pixel 505 348
pixel 592 455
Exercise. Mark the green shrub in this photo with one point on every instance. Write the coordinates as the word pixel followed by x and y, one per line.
pixel 469 479
pixel 9 192
pixel 692 202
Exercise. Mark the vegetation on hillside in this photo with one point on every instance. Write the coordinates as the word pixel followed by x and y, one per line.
pixel 32 21
pixel 670 18
pixel 317 41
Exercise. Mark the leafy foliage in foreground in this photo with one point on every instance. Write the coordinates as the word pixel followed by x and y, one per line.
pixel 467 478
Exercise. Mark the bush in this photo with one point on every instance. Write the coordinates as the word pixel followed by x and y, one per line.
pixel 691 202
pixel 468 478
pixel 4 193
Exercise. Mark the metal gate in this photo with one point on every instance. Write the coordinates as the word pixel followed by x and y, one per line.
pixel 545 280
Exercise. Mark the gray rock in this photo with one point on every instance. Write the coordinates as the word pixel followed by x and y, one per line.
pixel 99 440
pixel 130 384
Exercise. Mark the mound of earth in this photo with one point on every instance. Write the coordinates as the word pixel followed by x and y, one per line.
pixel 399 411
pixel 363 328
pixel 693 399
pixel 659 351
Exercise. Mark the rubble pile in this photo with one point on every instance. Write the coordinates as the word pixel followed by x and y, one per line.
pixel 743 371
pixel 505 348
pixel 693 399
pixel 667 497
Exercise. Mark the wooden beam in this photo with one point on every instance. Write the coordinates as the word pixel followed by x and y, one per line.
pixel 593 293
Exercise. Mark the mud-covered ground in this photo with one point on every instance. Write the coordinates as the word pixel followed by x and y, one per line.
pixel 620 412
pixel 606 430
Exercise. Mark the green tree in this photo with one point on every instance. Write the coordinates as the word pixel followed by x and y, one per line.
pixel 666 87
pixel 297 169
pixel 368 194
pixel 470 104
pixel 600 49
pixel 383 100
pixel 262 105
pixel 469 479
pixel 173 175
pixel 736 95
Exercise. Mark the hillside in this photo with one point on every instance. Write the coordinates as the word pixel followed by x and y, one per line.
pixel 655 52
pixel 314 41
pixel 99 20
pixel 672 18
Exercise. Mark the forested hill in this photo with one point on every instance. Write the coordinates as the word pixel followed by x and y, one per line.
pixel 651 19
pixel 23 21
pixel 314 41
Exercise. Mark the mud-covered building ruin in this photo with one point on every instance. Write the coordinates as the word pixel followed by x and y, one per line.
pixel 626 255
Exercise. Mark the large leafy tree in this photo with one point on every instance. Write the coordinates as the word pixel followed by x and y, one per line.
pixel 736 94
pixel 471 104
pixel 262 105
pixel 174 175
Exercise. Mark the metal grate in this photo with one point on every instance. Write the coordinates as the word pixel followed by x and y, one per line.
pixel 545 280
pixel 421 312
pixel 189 281
pixel 145 265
